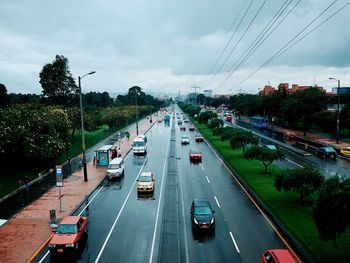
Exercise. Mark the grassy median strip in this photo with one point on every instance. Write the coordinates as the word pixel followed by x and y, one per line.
pixel 285 206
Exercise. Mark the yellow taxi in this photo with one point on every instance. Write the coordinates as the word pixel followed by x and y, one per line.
pixel 345 152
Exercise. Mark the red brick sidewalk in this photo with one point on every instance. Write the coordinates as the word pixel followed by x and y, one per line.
pixel 23 235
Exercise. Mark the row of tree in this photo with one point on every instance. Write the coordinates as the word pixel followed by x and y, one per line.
pixel 332 209
pixel 40 128
pixel 300 110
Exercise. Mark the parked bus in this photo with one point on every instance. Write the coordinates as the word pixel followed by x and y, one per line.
pixel 259 122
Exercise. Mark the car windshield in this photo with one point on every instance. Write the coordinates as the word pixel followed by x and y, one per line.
pixel 113 166
pixel 202 210
pixel 138 144
pixel 184 137
pixel 195 152
pixel 145 178
pixel 67 229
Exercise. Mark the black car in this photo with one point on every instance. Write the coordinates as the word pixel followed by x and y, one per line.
pixel 326 152
pixel 202 216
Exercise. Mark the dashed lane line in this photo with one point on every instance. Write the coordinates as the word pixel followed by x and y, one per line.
pixel 207 179
pixel 234 242
pixel 217 201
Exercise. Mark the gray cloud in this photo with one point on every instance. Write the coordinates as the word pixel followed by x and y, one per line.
pixel 165 45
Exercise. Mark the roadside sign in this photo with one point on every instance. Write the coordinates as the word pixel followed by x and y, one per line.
pixel 59 176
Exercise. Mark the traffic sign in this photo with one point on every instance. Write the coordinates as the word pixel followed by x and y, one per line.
pixel 59 176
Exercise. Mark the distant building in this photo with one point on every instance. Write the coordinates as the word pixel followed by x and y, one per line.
pixel 284 89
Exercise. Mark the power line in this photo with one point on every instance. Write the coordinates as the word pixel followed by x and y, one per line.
pixel 228 42
pixel 262 38
pixel 285 47
pixel 233 49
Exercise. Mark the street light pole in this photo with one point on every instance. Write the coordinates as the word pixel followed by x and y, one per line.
pixel 137 115
pixel 82 125
pixel 338 109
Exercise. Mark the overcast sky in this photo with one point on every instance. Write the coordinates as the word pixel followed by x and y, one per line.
pixel 167 46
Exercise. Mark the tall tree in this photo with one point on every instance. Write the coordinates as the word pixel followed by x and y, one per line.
pixel 58 84
pixel 304 181
pixel 241 138
pixel 303 104
pixel 3 95
pixel 264 155
pixel 332 212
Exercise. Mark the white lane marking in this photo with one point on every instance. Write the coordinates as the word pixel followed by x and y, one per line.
pixel 288 160
pixel 234 242
pixel 120 211
pixel 207 179
pixel 47 253
pixel 217 201
pixel 201 165
pixel 91 200
pixel 158 208
pixel 183 217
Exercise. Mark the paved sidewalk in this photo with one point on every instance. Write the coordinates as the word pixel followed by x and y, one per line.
pixel 24 233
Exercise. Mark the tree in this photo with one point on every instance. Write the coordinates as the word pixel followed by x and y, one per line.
pixel 215 122
pixel 304 181
pixel 332 212
pixel 302 105
pixel 200 99
pixel 3 95
pixel 241 138
pixel 205 116
pixel 58 84
pixel 262 154
pixel 227 133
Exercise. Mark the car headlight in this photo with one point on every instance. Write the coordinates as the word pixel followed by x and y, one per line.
pixel 212 221
pixel 195 221
pixel 52 245
pixel 70 245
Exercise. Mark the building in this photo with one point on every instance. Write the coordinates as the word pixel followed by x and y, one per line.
pixel 284 89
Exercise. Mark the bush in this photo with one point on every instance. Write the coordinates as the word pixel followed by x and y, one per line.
pixel 227 134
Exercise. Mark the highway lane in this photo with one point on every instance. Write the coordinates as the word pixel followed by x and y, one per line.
pixel 109 198
pixel 236 216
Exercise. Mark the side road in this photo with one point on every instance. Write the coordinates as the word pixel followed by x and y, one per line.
pixel 24 233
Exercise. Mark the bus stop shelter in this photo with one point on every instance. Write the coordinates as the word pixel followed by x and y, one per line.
pixel 103 155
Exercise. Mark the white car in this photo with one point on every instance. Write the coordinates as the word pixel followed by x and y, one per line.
pixel 185 139
pixel 115 168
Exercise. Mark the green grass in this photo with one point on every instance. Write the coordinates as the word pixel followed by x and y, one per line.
pixel 91 138
pixel 285 206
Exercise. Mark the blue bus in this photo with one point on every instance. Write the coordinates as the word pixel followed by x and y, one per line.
pixel 259 122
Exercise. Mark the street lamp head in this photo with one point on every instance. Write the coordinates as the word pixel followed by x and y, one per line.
pixel 331 78
pixel 92 72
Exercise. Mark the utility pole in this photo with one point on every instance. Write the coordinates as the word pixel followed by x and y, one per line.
pixel 195 92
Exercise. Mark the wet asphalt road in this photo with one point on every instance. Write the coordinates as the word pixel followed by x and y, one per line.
pixel 125 228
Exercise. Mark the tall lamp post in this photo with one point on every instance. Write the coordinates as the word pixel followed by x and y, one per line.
pixel 338 109
pixel 82 125
pixel 137 115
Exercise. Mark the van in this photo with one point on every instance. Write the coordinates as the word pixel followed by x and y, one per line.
pixel 115 168
pixel 139 145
